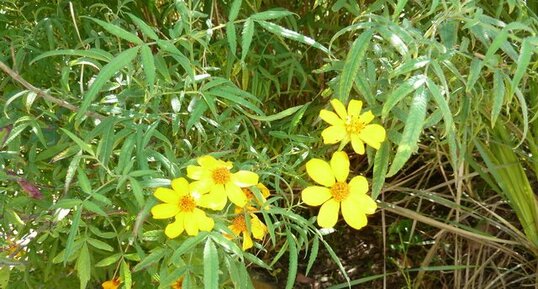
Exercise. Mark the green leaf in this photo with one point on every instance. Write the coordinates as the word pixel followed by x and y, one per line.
pixel 381 164
pixel 151 259
pixel 211 266
pixel 178 56
pixel 402 91
pixel 117 31
pixel 286 33
pixel 523 61
pixel 100 244
pixel 104 75
pixel 234 10
pixel 83 181
pixel 93 53
pixel 246 37
pixel 5 272
pixel 137 192
pixel 145 28
pixel 352 64
pixel 200 106
pixel 474 74
pixel 92 207
pixel 270 14
pixel 81 144
pixel 412 131
pixel 410 65
pixel 107 140
pixel 72 234
pixel 280 115
pixel 231 37
pixel 126 275
pixel 84 266
pixel 188 245
pixel 148 64
pixel 498 95
pixel 108 260
pixel 293 262
pixel 313 254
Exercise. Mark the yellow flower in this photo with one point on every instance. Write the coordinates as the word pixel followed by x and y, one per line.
pixel 252 198
pixel 239 226
pixel 180 202
pixel 111 284
pixel 178 284
pixel 214 176
pixel 335 192
pixel 351 126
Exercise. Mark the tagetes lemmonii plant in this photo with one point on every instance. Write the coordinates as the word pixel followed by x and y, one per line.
pixel 350 125
pixel 111 284
pixel 182 203
pixel 215 178
pixel 335 192
pixel 254 200
pixel 178 284
pixel 239 227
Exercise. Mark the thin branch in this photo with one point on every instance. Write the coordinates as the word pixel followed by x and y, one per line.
pixel 43 94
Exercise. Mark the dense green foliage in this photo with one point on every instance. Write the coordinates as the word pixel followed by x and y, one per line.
pixel 104 101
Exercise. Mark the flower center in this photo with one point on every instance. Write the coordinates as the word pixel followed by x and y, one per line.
pixel 354 125
pixel 239 223
pixel 248 193
pixel 339 191
pixel 221 176
pixel 187 204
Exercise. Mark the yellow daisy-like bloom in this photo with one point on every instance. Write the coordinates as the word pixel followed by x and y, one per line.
pixel 239 227
pixel 214 176
pixel 335 192
pixel 350 125
pixel 180 202
pixel 252 198
pixel 111 284
pixel 178 284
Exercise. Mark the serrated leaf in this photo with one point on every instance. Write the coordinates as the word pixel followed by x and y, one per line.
pixel 126 275
pixel 313 255
pixel 290 34
pixel 100 244
pixel 246 37
pixel 381 165
pixel 94 208
pixel 474 73
pixel 137 192
pixel 92 53
pixel 412 131
pixel 231 37
pixel 188 245
pixel 145 28
pixel 498 96
pixel 152 258
pixel 108 260
pixel 107 140
pixel 402 91
pixel 199 107
pixel 523 61
pixel 352 64
pixel 211 266
pixel 271 14
pixel 72 234
pixel 84 267
pixel 104 75
pixel 81 144
pixel 148 64
pixel 234 10
pixel 117 31
pixel 410 65
pixel 83 181
pixel 183 61
pixel 293 262
pixel 280 115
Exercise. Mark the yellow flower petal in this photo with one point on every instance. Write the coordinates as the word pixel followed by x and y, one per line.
pixel 111 284
pixel 353 213
pixel 339 108
pixel 215 199
pixel 164 211
pixel 195 172
pixel 354 107
pixel 373 135
pixel 245 179
pixel 204 222
pixel 315 195
pixel 330 117
pixel 358 185
pixel 236 195
pixel 176 228
pixel 328 214
pixel 167 195
pixel 320 171
pixel 264 190
pixel 367 204
pixel 357 144
pixel 247 241
pixel 258 228
pixel 366 117
pixel 334 134
pixel 191 224
pixel 340 165
pixel 202 186
pixel 208 162
pixel 181 186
